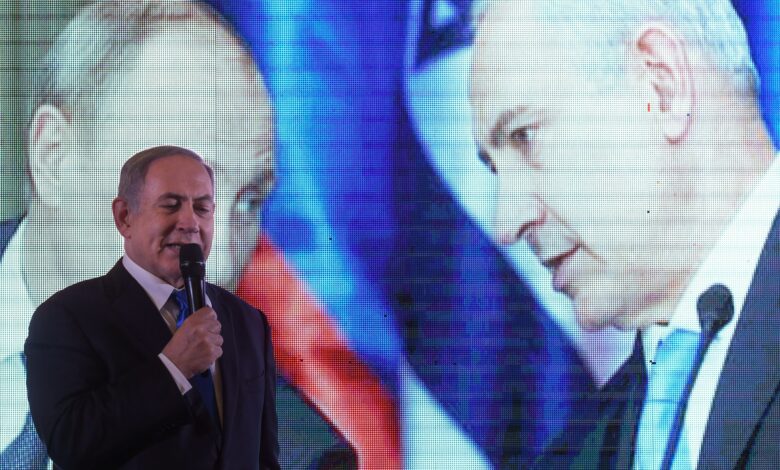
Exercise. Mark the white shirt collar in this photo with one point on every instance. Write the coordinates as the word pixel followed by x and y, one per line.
pixel 731 262
pixel 157 289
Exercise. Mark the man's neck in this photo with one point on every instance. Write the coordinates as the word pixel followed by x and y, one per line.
pixel 719 205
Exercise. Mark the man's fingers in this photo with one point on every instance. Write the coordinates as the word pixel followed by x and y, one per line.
pixel 198 342
pixel 208 329
pixel 207 338
pixel 205 318
pixel 213 326
pixel 204 313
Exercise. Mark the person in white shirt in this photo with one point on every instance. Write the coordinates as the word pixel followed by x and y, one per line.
pixel 110 385
pixel 631 156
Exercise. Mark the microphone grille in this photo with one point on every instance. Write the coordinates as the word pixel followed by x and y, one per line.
pixel 191 261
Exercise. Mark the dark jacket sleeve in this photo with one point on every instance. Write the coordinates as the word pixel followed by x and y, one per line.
pixel 87 416
pixel 269 447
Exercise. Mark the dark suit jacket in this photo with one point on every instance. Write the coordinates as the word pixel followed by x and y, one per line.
pixel 305 438
pixel 743 430
pixel 101 398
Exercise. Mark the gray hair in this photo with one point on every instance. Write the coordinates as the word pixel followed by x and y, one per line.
pixel 103 40
pixel 712 25
pixel 133 173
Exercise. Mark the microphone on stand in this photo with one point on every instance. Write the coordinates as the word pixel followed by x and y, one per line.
pixel 716 308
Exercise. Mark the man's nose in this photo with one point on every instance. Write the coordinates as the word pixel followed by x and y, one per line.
pixel 518 210
pixel 187 220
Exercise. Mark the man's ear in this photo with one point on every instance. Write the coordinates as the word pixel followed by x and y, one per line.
pixel 122 217
pixel 48 149
pixel 669 78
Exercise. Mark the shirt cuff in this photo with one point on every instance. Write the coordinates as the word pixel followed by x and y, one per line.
pixel 181 381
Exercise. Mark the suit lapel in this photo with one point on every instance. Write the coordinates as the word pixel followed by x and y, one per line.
pixel 134 309
pixel 751 373
pixel 606 438
pixel 635 397
pixel 136 315
pixel 228 363
pixel 621 404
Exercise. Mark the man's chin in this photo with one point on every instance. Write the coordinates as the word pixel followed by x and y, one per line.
pixel 599 308
pixel 593 316
pixel 590 321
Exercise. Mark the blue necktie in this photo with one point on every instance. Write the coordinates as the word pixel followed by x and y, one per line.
pixel 203 382
pixel 672 365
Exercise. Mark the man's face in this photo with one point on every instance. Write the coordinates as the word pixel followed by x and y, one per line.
pixel 175 207
pixel 583 175
pixel 194 92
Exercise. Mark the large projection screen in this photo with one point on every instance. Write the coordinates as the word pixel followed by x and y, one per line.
pixel 380 207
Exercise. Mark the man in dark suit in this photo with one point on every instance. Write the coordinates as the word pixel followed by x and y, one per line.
pixel 111 385
pixel 632 158
pixel 143 63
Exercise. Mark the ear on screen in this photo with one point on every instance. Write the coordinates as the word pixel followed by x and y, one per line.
pixel 669 78
pixel 47 149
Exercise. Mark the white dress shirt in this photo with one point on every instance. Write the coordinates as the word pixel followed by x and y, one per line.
pixel 160 292
pixel 732 263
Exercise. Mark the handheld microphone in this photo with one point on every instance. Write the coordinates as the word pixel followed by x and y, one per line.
pixel 193 270
pixel 716 308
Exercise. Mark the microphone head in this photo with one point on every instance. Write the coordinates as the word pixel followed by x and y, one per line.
pixel 716 308
pixel 191 261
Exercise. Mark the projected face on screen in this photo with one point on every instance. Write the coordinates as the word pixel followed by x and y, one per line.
pixel 183 88
pixel 583 167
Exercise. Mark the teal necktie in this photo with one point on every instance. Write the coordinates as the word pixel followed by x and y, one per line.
pixel 672 365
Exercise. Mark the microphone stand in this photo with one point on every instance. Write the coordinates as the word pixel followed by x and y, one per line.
pixel 715 308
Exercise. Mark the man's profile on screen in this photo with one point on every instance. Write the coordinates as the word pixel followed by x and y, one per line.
pixel 631 156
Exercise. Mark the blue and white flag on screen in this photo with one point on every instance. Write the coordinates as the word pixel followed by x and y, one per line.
pixel 328 227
